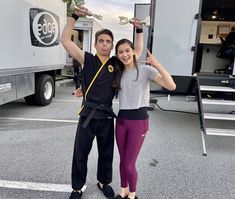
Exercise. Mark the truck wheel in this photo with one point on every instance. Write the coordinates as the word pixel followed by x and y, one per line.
pixel 44 90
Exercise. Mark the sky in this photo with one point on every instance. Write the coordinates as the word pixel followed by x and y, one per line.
pixel 111 10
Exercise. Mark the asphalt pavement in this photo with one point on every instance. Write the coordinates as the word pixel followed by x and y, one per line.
pixel 36 147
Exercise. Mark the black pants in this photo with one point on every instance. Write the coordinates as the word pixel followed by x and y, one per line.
pixel 103 129
pixel 78 79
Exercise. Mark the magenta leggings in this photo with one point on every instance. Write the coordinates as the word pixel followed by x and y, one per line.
pixel 130 136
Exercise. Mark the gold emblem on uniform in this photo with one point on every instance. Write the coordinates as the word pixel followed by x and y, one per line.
pixel 110 68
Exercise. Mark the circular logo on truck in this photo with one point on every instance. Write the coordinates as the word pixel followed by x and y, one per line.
pixel 44 28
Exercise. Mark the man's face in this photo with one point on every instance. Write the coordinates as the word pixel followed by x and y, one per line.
pixel 104 45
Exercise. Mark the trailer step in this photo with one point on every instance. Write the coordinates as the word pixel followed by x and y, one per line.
pixel 220 132
pixel 217 88
pixel 219 116
pixel 218 102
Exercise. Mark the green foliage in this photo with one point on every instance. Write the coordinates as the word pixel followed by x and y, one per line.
pixel 69 3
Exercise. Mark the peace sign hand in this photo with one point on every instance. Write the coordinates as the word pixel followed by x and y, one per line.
pixel 151 60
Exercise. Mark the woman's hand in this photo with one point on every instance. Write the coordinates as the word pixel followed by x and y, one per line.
pixel 151 60
pixel 137 23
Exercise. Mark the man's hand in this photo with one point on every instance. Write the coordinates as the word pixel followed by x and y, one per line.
pixel 78 92
pixel 80 11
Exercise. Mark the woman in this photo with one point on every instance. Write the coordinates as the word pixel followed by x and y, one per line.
pixel 132 122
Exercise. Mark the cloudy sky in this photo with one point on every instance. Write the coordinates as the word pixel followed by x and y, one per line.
pixel 110 10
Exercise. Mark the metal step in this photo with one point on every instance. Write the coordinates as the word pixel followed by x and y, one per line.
pixel 220 132
pixel 218 102
pixel 219 116
pixel 217 88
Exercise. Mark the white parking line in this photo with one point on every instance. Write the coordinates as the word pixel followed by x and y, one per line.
pixel 77 100
pixel 61 100
pixel 36 186
pixel 39 119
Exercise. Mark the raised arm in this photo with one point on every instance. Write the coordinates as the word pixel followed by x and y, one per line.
pixel 71 47
pixel 139 38
pixel 163 78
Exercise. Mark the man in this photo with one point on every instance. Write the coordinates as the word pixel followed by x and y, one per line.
pixel 78 78
pixel 96 115
pixel 78 74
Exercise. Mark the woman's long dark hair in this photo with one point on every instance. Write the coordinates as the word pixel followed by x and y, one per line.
pixel 120 66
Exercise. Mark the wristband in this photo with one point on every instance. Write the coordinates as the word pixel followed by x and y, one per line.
pixel 75 17
pixel 138 30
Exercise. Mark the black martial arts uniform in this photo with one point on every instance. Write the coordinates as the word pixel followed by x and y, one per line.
pixel 96 119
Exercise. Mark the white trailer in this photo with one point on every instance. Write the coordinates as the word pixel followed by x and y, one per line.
pixel 185 36
pixel 30 52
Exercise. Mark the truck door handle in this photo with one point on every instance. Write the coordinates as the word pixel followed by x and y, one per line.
pixel 193 48
pixel 193 33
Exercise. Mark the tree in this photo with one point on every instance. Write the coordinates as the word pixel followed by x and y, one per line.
pixel 69 3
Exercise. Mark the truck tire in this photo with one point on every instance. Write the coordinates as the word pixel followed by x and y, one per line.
pixel 44 90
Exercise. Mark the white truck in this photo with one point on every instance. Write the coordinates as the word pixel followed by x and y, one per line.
pixel 30 52
pixel 184 35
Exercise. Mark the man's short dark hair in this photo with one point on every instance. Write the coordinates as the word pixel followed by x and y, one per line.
pixel 103 32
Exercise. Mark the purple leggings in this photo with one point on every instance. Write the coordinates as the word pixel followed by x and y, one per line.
pixel 130 136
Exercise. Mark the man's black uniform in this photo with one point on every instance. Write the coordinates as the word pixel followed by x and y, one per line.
pixel 96 119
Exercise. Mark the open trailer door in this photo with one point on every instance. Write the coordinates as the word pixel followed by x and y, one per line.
pixel 173 34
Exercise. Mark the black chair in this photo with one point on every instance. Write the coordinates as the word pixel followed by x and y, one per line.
pixel 227 51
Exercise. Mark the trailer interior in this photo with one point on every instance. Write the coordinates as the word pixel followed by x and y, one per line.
pixel 216 22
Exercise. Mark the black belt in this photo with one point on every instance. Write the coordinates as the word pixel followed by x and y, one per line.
pixel 96 107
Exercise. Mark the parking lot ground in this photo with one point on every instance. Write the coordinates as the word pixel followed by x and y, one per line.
pixel 36 147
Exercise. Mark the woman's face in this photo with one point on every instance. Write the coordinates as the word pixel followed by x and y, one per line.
pixel 126 54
